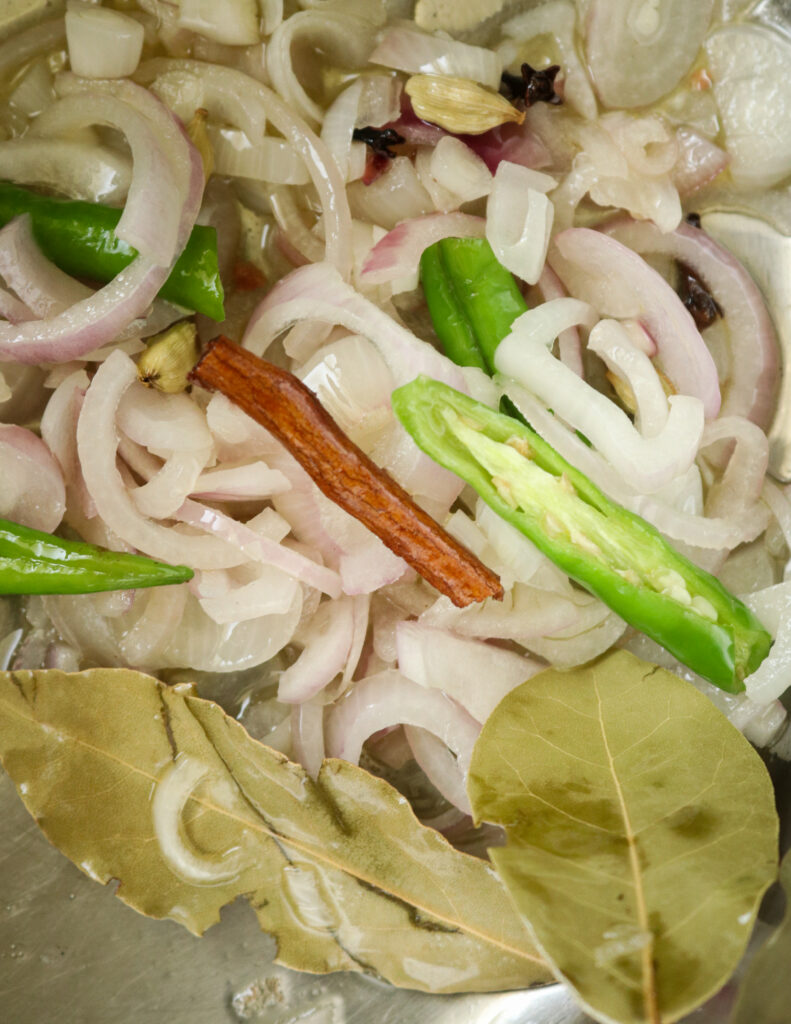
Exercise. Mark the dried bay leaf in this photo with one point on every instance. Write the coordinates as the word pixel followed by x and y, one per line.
pixel 641 833
pixel 150 786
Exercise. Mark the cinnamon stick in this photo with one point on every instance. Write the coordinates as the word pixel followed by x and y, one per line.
pixel 282 404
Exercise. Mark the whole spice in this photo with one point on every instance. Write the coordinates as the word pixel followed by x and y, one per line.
pixel 459 105
pixel 613 553
pixel 80 239
pixel 702 306
pixel 379 140
pixel 282 404
pixel 32 562
pixel 531 85
pixel 169 357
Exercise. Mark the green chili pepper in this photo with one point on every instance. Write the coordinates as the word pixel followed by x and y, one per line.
pixel 472 299
pixel 611 552
pixel 80 238
pixel 32 562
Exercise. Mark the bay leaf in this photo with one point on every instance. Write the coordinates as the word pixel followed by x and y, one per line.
pixel 641 833
pixel 152 787
pixel 763 993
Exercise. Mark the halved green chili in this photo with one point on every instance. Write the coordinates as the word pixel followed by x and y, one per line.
pixel 472 299
pixel 611 552
pixel 32 562
pixel 80 238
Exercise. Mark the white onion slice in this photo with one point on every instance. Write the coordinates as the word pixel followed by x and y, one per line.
pixel 477 675
pixel 699 161
pixel 519 219
pixel 754 107
pixel 569 346
pixel 637 52
pixel 338 126
pixel 265 159
pixel 174 789
pixel 380 100
pixel 41 38
pixel 388 699
pixel 396 195
pixel 458 171
pixel 164 608
pixel 344 38
pixel 406 49
pixel 102 43
pixel 270 592
pixel 771 678
pixel 162 423
pixel 611 341
pixel 82 170
pixel 396 257
pixel 525 613
pixel 234 22
pixel 242 482
pixel 33 492
pixel 619 284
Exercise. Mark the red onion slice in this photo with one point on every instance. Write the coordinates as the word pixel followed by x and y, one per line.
pixel 100 318
pixel 84 171
pixel 397 255
pixel 699 161
pixel 619 284
pixel 327 643
pixel 753 342
pixel 44 288
pixel 440 767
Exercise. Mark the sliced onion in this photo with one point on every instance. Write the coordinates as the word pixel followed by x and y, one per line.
pixel 168 488
pixel 317 293
pixel 771 678
pixel 394 196
pixel 79 169
pixel 327 642
pixel 558 19
pixel 388 699
pixel 754 108
pixel 236 434
pixel 477 675
pixel 242 482
pixel 440 766
pixel 269 592
pixel 13 309
pixel 164 608
pixel 569 346
pixel 253 545
pixel 346 39
pixel 100 318
pixel 41 286
pixel 407 49
pixel 380 101
pixel 322 169
pixel 519 219
pixel 41 38
pixel 396 257
pixel 266 159
pixel 457 170
pixel 338 127
pixel 97 444
pixel 228 96
pixel 307 736
pixel 611 341
pixel 234 22
pixel 618 283
pixel 33 492
pixel 569 652
pixel 512 142
pixel 524 613
pixel 102 43
pixel 752 338
pixel 162 423
pixel 637 52
pixel 699 161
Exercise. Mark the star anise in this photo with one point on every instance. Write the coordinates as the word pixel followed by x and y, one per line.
pixel 531 86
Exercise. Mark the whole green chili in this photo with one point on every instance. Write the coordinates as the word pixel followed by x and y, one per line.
pixel 80 238
pixel 32 562
pixel 472 299
pixel 611 552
